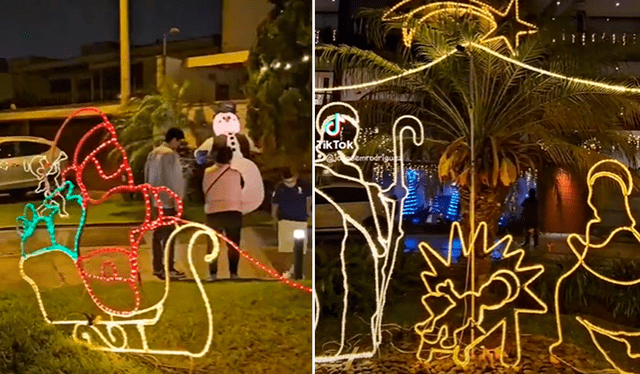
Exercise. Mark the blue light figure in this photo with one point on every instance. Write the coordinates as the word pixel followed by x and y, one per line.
pixel 411 201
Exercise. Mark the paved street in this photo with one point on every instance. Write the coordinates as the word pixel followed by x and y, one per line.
pixel 552 245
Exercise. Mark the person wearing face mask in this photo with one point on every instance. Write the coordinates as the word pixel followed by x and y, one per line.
pixel 290 206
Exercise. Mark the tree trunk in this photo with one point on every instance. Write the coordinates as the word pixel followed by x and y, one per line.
pixel 488 208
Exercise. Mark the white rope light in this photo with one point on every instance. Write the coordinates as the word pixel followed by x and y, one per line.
pixel 382 248
pixel 82 329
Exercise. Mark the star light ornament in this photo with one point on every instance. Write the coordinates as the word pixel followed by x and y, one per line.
pixel 497 25
pixel 385 239
pixel 439 337
pixel 581 246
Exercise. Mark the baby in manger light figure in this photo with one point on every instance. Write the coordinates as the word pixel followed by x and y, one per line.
pixel 384 240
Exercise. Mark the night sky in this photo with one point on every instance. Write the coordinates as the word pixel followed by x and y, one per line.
pixel 57 28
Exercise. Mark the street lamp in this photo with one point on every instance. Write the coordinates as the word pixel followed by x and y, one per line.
pixel 172 31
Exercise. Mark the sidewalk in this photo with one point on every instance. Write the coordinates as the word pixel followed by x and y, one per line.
pixel 56 269
pixel 551 245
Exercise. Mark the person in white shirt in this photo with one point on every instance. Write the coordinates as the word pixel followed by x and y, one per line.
pixel 163 168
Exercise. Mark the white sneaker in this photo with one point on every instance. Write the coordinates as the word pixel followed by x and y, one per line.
pixel 287 275
pixel 212 277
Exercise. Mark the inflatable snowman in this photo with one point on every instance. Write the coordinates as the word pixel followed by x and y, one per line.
pixel 227 124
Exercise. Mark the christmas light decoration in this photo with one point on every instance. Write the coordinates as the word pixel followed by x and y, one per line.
pixel 385 80
pixel 440 338
pixel 411 201
pixel 452 210
pixel 45 171
pixel 383 244
pixel 48 172
pixel 475 8
pixel 617 88
pixel 83 329
pixel 74 190
pixel 580 247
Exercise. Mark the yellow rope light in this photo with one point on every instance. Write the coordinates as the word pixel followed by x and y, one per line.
pixel 82 329
pixel 451 8
pixel 617 88
pixel 451 345
pixel 483 11
pixel 625 182
pixel 383 248
pixel 385 80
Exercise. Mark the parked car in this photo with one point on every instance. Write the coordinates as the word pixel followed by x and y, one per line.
pixel 15 151
pixel 353 199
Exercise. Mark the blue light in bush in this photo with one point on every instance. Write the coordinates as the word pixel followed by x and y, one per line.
pixel 410 245
pixel 452 209
pixel 456 250
pixel 496 255
pixel 411 201
pixel 436 206
pixel 503 221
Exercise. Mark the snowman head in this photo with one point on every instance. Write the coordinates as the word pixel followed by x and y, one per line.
pixel 225 123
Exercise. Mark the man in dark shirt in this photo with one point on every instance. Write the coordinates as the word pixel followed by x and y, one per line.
pixel 290 206
pixel 530 218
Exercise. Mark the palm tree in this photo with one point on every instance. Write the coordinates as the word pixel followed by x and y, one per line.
pixel 146 121
pixel 521 119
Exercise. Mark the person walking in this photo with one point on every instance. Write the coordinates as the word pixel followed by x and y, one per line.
pixel 222 188
pixel 530 218
pixel 290 206
pixel 163 169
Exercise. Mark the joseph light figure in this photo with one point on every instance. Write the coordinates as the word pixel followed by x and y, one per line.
pixel 383 241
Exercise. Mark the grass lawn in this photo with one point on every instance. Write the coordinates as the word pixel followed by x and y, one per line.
pixel 259 327
pixel 407 311
pixel 120 212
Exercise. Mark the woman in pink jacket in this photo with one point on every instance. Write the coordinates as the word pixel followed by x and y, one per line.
pixel 222 188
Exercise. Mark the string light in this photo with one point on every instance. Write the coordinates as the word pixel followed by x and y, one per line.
pixel 603 38
pixel 384 80
pixel 384 247
pixel 625 182
pixel 617 88
pixel 434 332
